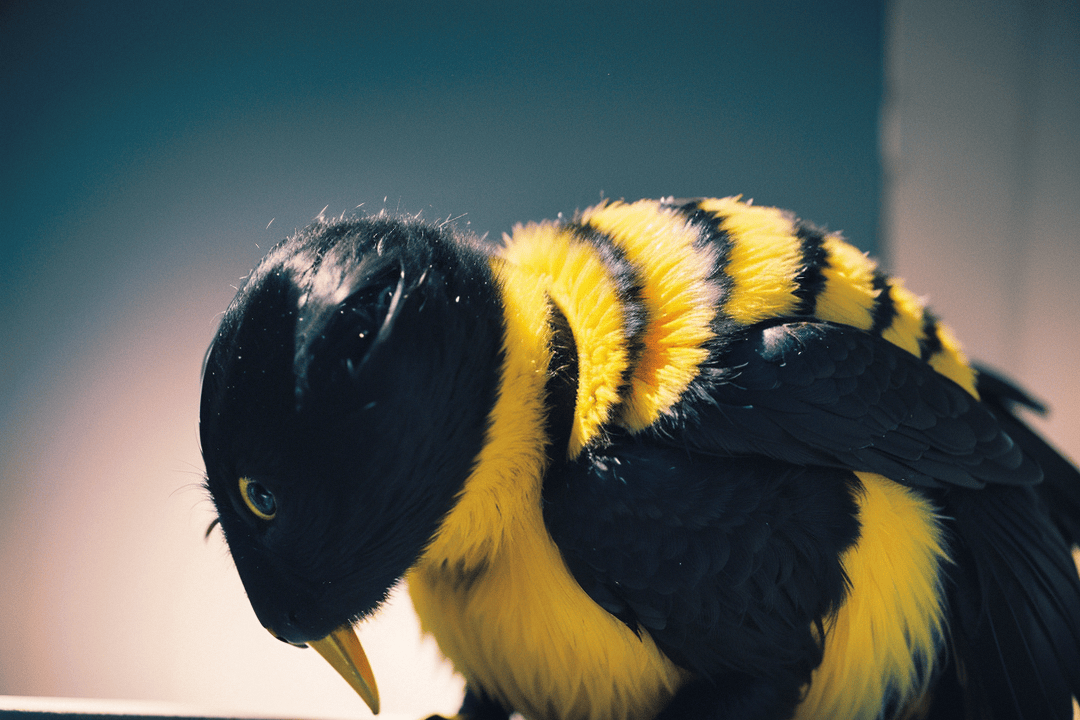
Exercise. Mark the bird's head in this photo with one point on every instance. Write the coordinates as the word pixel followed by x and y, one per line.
pixel 344 400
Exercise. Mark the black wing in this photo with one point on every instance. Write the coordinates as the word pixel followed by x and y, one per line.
pixel 728 563
pixel 826 394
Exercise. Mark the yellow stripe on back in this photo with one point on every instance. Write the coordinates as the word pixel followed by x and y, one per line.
pixel 678 297
pixel 906 331
pixel 906 328
pixel 849 292
pixel 579 284
pixel 951 361
pixel 764 260
pixel 893 612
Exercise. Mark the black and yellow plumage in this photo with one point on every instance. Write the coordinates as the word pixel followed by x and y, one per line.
pixel 668 459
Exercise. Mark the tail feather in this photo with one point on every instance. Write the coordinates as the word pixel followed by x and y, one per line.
pixel 1014 591
pixel 1016 604
pixel 1060 489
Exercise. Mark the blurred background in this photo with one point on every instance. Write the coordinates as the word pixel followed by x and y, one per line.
pixel 150 153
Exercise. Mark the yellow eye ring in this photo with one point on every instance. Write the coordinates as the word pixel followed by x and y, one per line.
pixel 258 499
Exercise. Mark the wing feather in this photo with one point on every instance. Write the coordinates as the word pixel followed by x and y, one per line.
pixel 822 393
pixel 728 563
pixel 1014 595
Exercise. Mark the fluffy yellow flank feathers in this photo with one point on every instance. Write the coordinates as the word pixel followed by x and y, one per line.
pixel 557 646
pixel 893 611
pixel 677 293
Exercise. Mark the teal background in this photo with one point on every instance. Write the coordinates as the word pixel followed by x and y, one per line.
pixel 147 138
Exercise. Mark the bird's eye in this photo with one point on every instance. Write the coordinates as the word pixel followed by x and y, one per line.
pixel 258 499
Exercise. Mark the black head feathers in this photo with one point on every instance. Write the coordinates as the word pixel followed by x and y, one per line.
pixel 346 345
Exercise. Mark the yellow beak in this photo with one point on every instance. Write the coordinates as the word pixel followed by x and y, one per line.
pixel 342 650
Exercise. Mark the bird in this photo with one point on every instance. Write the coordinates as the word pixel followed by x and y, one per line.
pixel 675 458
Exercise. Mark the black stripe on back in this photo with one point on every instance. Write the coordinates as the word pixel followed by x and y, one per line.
pixel 712 235
pixel 628 290
pixel 810 281
pixel 884 308
pixel 560 390
pixel 930 345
